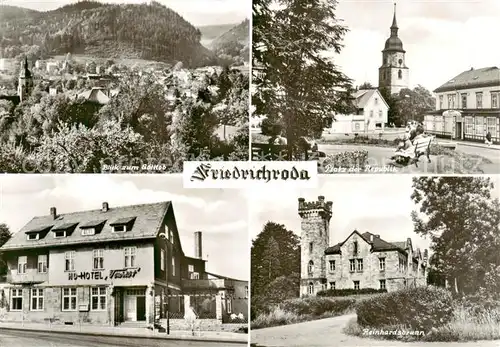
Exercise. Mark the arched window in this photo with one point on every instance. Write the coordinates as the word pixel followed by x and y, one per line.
pixel 311 288
pixel 310 267
pixel 400 74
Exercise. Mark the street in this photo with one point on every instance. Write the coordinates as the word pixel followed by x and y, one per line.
pixel 328 332
pixel 25 338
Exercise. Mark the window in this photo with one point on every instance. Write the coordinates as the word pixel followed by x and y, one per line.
pixel 382 284
pixel 162 259
pixel 69 299
pixel 469 125
pixel 381 264
pixel 229 306
pixel 440 102
pixel 356 285
pixel 491 125
pixel 332 265
pixel 36 299
pixel 371 114
pixel 479 100
pixel 61 233
pixel 246 292
pixel 190 267
pixel 311 288
pixel 22 262
pixel 70 261
pixel 16 299
pixel 380 114
pixel 451 101
pixel 194 276
pixel 33 236
pixel 119 228
pixel 360 265
pixel 173 266
pixel 464 100
pixel 98 259
pixel 310 246
pixel 404 283
pixel 98 298
pixel 400 74
pixel 130 256
pixel 376 101
pixel 479 128
pixel 332 285
pixel 494 99
pixel 42 263
pixel 88 231
pixel 310 267
pixel 352 265
pixel 355 243
pixel 170 235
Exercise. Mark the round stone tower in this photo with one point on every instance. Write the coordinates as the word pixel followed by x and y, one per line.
pixel 315 238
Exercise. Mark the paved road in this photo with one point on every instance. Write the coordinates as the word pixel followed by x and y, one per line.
pixel 328 333
pixel 20 338
pixel 380 157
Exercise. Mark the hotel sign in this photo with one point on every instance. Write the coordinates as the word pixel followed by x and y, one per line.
pixel 98 275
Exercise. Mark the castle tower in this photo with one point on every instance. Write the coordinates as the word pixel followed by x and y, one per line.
pixel 393 74
pixel 25 84
pixel 315 238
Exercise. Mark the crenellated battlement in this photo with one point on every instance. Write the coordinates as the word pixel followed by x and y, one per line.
pixel 319 207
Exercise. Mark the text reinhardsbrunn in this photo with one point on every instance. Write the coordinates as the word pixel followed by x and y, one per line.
pixel 237 174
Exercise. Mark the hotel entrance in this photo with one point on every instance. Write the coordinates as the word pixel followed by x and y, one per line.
pixel 130 305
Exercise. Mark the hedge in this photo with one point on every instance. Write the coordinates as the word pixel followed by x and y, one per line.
pixel 350 291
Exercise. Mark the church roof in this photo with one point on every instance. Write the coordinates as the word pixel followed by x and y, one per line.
pixel 394 43
pixel 473 78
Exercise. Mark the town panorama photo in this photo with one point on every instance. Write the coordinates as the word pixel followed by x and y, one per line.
pixel 122 86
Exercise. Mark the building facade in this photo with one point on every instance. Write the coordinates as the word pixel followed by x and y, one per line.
pixel 108 266
pixel 360 261
pixel 394 75
pixel 467 106
pixel 371 114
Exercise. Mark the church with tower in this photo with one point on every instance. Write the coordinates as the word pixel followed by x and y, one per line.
pixel 24 86
pixel 362 260
pixel 393 75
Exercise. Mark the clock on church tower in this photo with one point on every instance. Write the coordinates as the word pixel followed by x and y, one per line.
pixel 393 74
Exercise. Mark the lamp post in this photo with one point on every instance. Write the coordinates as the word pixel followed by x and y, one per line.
pixel 168 311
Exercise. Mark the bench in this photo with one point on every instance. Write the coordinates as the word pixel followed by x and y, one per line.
pixel 421 146
pixel 265 152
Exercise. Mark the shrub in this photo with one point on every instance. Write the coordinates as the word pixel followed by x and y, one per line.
pixel 419 308
pixel 317 306
pixel 348 292
pixel 349 159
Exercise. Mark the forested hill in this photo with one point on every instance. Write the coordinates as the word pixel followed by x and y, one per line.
pixel 234 42
pixel 147 31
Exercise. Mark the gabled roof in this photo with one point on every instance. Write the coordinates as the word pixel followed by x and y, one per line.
pixel 473 78
pixel 95 95
pixel 149 218
pixel 378 244
pixel 361 97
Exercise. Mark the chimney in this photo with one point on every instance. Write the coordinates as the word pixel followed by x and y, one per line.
pixel 105 207
pixel 53 212
pixel 377 236
pixel 197 245
pixel 321 198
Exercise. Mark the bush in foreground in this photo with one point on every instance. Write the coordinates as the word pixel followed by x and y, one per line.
pixel 418 308
pixel 349 292
pixel 301 310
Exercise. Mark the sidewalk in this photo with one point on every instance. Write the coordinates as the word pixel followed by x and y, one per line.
pixel 469 144
pixel 213 336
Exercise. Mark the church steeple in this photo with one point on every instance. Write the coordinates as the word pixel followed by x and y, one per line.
pixel 394 26
pixel 25 83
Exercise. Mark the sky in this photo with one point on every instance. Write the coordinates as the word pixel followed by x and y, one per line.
pixel 197 12
pixel 379 204
pixel 442 38
pixel 222 215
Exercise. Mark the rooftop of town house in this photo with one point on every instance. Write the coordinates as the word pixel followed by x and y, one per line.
pixel 378 244
pixel 361 97
pixel 473 78
pixel 143 221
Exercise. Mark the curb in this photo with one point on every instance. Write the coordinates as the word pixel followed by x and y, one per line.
pixel 477 146
pixel 166 337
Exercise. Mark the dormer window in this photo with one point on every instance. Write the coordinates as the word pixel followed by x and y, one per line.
pixel 88 231
pixel 92 227
pixel 58 234
pixel 123 224
pixel 33 236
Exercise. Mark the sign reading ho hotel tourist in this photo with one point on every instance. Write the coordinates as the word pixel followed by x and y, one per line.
pixel 104 266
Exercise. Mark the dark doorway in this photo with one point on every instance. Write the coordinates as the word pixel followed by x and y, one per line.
pixel 141 308
pixel 458 128
pixel 118 305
